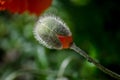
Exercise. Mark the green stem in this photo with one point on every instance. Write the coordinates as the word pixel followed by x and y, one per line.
pixel 63 67
pixel 91 60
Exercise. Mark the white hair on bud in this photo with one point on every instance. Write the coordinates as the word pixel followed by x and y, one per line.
pixel 38 38
pixel 46 30
pixel 56 18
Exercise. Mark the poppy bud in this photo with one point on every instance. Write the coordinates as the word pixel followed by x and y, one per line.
pixel 53 33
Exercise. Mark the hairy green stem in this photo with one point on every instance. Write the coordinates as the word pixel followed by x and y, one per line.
pixel 91 60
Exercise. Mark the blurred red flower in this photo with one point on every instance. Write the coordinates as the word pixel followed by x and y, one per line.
pixel 20 6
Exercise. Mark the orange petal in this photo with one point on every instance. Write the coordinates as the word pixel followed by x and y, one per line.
pixel 17 6
pixel 2 5
pixel 20 6
pixel 38 6
pixel 65 40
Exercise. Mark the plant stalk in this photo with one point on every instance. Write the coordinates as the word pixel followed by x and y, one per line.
pixel 97 64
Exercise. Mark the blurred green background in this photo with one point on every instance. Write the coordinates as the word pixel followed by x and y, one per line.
pixel 95 26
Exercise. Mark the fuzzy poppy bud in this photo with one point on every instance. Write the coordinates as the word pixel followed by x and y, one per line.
pixel 53 33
